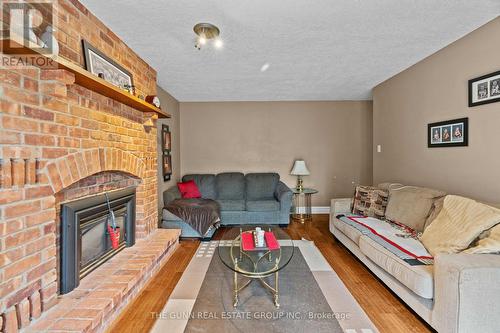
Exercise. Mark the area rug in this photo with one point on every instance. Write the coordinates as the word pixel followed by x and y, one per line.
pixel 312 298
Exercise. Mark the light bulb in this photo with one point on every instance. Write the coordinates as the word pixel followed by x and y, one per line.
pixel 202 40
pixel 218 43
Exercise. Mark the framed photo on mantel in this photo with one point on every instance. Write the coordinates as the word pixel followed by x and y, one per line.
pixel 450 133
pixel 106 68
pixel 484 89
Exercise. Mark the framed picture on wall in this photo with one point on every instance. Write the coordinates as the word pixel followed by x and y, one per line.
pixel 449 133
pixel 106 68
pixel 166 139
pixel 484 89
pixel 166 147
pixel 167 167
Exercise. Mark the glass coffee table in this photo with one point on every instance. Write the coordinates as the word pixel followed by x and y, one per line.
pixel 256 264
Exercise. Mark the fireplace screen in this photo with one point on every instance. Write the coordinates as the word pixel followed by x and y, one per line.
pixel 85 240
pixel 95 241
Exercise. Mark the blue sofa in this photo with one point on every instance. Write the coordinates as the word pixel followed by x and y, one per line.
pixel 254 198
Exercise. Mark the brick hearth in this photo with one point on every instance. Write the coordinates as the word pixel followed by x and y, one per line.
pixel 102 294
pixel 60 142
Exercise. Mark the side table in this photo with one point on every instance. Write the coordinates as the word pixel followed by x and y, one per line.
pixel 302 210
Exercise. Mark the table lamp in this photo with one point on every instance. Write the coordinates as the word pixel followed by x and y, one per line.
pixel 299 169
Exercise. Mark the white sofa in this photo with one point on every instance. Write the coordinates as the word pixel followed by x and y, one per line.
pixel 459 293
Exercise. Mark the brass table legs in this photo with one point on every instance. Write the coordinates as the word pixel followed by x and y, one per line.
pixel 274 290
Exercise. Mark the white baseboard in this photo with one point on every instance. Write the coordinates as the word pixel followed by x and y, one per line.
pixel 315 210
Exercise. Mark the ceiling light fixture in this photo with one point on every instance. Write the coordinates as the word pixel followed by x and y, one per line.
pixel 207 32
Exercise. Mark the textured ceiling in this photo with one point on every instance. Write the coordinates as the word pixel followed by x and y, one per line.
pixel 314 50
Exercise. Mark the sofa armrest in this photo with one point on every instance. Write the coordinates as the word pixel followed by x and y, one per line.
pixel 284 195
pixel 170 195
pixel 467 293
pixel 340 206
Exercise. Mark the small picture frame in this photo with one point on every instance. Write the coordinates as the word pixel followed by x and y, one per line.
pixel 167 167
pixel 166 148
pixel 484 89
pixel 166 138
pixel 449 133
pixel 104 67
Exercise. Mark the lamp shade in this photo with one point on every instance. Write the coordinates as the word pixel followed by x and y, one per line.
pixel 300 169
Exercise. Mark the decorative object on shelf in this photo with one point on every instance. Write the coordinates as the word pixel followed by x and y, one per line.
pixel 130 88
pixel 140 94
pixel 153 99
pixel 166 146
pixel 299 169
pixel 450 133
pixel 49 40
pixel 97 62
pixel 484 89
pixel 207 32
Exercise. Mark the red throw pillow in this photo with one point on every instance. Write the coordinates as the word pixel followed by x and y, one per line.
pixel 189 190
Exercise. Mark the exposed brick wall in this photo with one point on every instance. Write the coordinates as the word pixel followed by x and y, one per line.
pixel 99 183
pixel 60 141
pixel 75 23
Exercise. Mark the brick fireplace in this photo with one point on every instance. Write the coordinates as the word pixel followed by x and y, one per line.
pixel 60 142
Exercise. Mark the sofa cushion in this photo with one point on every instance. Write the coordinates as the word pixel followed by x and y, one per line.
pixel 459 223
pixel 488 242
pixel 230 186
pixel 348 230
pixel 418 279
pixel 262 205
pixel 205 183
pixel 370 201
pixel 411 205
pixel 435 210
pixel 261 186
pixel 231 205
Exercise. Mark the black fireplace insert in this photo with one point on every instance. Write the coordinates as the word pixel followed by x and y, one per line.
pixel 85 240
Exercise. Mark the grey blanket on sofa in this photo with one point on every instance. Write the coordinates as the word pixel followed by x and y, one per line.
pixel 200 214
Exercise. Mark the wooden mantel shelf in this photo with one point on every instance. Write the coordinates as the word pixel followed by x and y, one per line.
pixel 86 79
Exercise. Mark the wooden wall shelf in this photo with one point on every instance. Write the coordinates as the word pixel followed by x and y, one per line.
pixel 86 79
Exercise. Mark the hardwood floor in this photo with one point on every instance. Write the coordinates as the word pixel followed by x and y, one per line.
pixel 386 311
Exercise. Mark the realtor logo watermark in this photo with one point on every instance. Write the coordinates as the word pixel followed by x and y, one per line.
pixel 28 33
pixel 250 315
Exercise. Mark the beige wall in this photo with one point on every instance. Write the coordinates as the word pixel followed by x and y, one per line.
pixel 171 105
pixel 334 138
pixel 433 90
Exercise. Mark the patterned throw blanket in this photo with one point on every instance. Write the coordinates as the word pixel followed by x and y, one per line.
pixel 402 243
pixel 200 214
